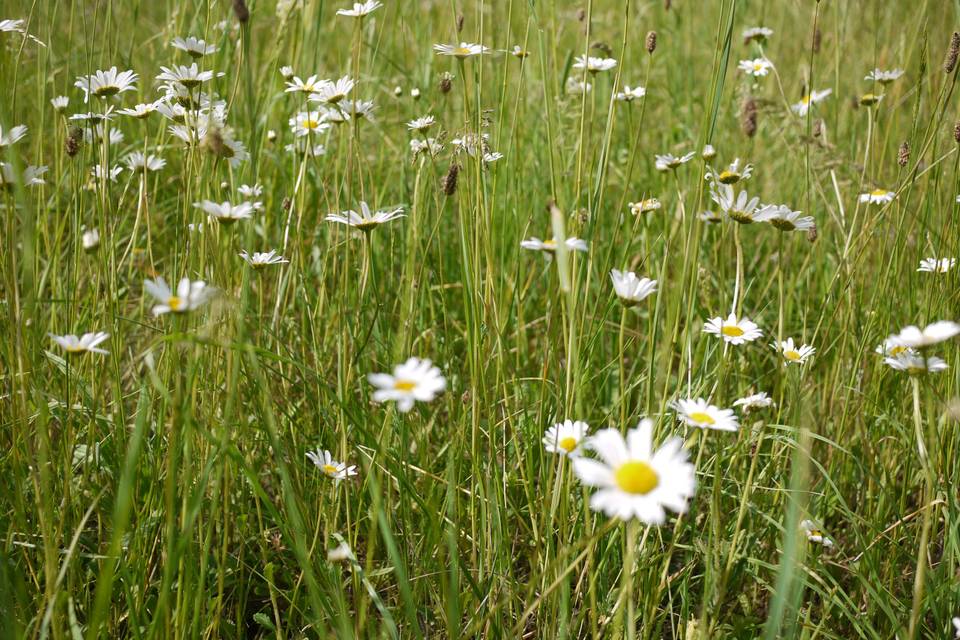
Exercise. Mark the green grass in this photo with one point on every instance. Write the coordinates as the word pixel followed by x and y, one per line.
pixel 163 490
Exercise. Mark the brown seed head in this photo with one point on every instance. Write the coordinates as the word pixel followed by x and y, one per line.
pixel 651 42
pixel 240 8
pixel 448 184
pixel 748 117
pixel 903 155
pixel 950 63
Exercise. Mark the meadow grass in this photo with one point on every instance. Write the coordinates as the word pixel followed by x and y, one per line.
pixel 163 489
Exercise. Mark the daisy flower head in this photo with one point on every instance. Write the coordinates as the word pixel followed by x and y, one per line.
pixel 462 50
pixel 429 146
pixel 367 220
pixel 310 85
pixel 104 84
pixel 644 206
pixel 630 289
pixel 935 265
pixel 87 343
pixel 892 349
pixel 138 162
pixel 565 438
pixel 708 152
pixel 12 26
pixel 414 380
pixel 754 402
pixel 324 461
pixel 188 296
pixel 884 77
pixel 576 87
pixel 421 124
pixel 794 353
pixel 333 91
pixel 30 177
pixel 914 363
pixel 187 77
pixel 801 108
pixel 549 246
pixel 90 239
pixel 224 212
pixel 60 103
pixel 914 337
pixel 519 52
pixel 259 260
pixel 697 412
pixel 140 111
pixel 11 137
pixel 630 94
pixel 760 34
pixel 786 219
pixel 732 330
pixel 733 174
pixel 668 161
pixel 633 480
pixel 286 71
pixel 815 534
pixel 877 196
pixel 306 123
pixel 194 47
pixel 360 9
pixel 739 207
pixel 758 67
pixel 356 109
pixel 594 64
pixel 870 99
pixel 248 191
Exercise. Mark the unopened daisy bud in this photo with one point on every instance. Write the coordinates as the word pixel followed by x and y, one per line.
pixel 398 91
pixel 651 42
pixel 812 234
pixel 271 136
pixel 449 182
pixel 415 93
pixel 240 8
pixel 950 63
pixel 74 140
pixel 748 117
pixel 459 23
pixel 446 82
pixel 90 239
pixel 903 154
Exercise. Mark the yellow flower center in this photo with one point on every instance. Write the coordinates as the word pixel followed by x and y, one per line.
pixel 897 350
pixel 404 385
pixel 702 418
pixel 791 354
pixel 728 177
pixel 549 245
pixel 568 444
pixel 461 51
pixel 175 303
pixel 311 124
pixel 106 91
pixel 758 66
pixel 329 469
pixel 732 330
pixel 878 192
pixel 75 348
pixel 806 100
pixel 636 477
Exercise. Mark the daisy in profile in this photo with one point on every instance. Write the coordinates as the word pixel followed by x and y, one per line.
pixel 697 412
pixel 360 9
pixel 760 34
pixel 733 174
pixel 914 363
pixel 137 162
pixel 732 330
pixel 631 289
pixel 633 479
pixel 877 196
pixel 310 85
pixel 421 124
pixel 366 220
pixel 331 468
pixel 306 123
pixel 87 343
pixel 429 146
pixel 629 95
pixel 188 296
pixel 786 219
pixel 333 91
pixel 414 380
pixel 565 438
pixel 801 108
pixel 891 349
pixel 462 50
pixel 794 353
pixel 754 402
pixel 519 52
pixel 913 337
pixel 577 87
pixel 12 26
pixel 935 265
pixel 670 162
pixel 593 64
pixel 708 152
pixel 11 137
pixel 90 239
pixel 758 67
pixel 357 109
pixel 815 534
pixel 60 103
pixel 259 260
pixel 644 206
pixel 194 47
pixel 188 77
pixel 104 84
pixel 884 77
pixel 224 212
pixel 30 177
pixel 140 111
pixel 549 246
pixel 739 207
pixel 250 192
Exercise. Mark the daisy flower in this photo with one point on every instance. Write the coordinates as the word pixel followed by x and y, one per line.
pixel 644 206
pixel 519 52
pixel 801 108
pixel 429 146
pixel 286 72
pixel 12 26
pixel 87 343
pixel 732 174
pixel 250 192
pixel 697 412
pixel 739 207
pixel 760 34
pixel 188 296
pixel 549 246
pixel 188 77
pixel 631 289
pixel 889 348
pixel 956 626
pixel 593 64
pixel 307 123
pixel 421 124
pixel 884 77
pixel 224 212
pixel 877 196
pixel 360 9
pixel 577 87
pixel 915 338
pixel 195 47
pixel 708 153
pixel 462 50
pixel 786 219
pixel 310 85
pixel 358 109
pixel 915 364
pixel 12 136
pixel 565 437
pixel 330 467
pixel 98 174
pixel 414 380
pixel 137 161
pixel 260 260
pixel 934 265
pixel 633 480
pixel 366 220
pixel 815 534
pixel 30 177
pixel 629 95
pixel 754 402
pixel 870 99
pixel 60 103
pixel 332 91
pixel 90 239
pixel 757 67
pixel 669 161
pixel 733 331
pixel 104 84
pixel 795 353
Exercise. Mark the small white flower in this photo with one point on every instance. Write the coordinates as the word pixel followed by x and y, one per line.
pixel 801 108
pixel 669 161
pixel 576 87
pixel 195 47
pixel 815 534
pixel 415 93
pixel 421 124
pixel 629 95
pixel 104 84
pixel 60 103
pixel 188 77
pixel 786 219
pixel 594 65
pixel 137 161
pixel 260 260
pixel 519 52
pixel 708 153
pixel 550 246
pixel 884 77
pixel 757 33
pixel 739 207
pixel 189 295
pixel 366 220
pixel 915 338
pixel 324 461
pixel 757 67
pixel 733 331
pixel 754 402
pixel 224 212
pixel 307 123
pixel 139 111
pixel 250 192
pixel 794 353
pixel 286 71
pixel 87 343
pixel 956 626
pixel 360 9
pixel 935 265
pixel 733 174
pixel 90 239
pixel 878 196
pixel 414 380
pixel 332 91
pixel 310 85
pixel 697 412
pixel 914 363
pixel 340 553
pixel 565 438
pixel 631 289
pixel 429 146
pixel 463 50
pixel 30 177
pixel 14 135
pixel 644 206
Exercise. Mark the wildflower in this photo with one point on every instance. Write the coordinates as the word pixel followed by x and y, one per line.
pixel 87 343
pixel 463 50
pixel 915 364
pixel 760 34
pixel 631 289
pixel 99 175
pixel 29 178
pixel 565 438
pixel 330 467
pixel 956 626
pixel 249 192
pixel 310 85
pixel 519 52
pixel 870 99
pixel 814 534
pixel 786 219
pixel 633 480
pixel 332 91
pixel 224 212
pixel 732 174
pixel 60 103
pixel 669 161
pixel 260 260
pixel 286 72
pixel 733 331
pixel 414 380
pixel 137 161
pixel 709 216
pixel 340 553
pixel 104 84
pixel 421 124
pixel 757 67
pixel 697 412
pixel 549 246
pixel 429 146
pixel 357 109
pixel 754 402
pixel 577 87
pixel 360 9
pixel 366 220
pixel 14 135
pixel 415 93
pixel 708 153
pixel 189 295
pixel 933 265
pixel 307 123
pixel 629 95
pixel 801 108
pixel 593 64
pixel 892 349
pixel 884 77
pixel 915 338
pixel 797 354
pixel 12 26
pixel 490 158
pixel 90 239
pixel 195 47
pixel 878 196
pixel 188 77
pixel 139 111
pixel 739 207
pixel 644 206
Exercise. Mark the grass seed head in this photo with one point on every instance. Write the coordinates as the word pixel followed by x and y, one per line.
pixel 651 42
pixel 950 63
